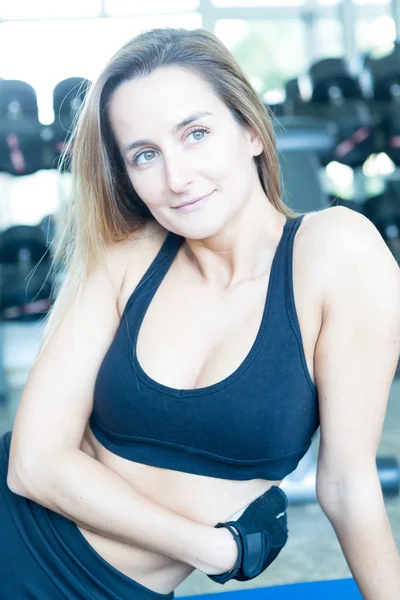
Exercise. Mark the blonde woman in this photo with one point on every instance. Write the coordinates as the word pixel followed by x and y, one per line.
pixel 202 333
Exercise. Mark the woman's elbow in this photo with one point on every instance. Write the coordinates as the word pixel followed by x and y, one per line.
pixel 29 478
pixel 339 495
pixel 15 481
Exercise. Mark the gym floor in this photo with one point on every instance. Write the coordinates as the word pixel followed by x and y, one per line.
pixel 312 553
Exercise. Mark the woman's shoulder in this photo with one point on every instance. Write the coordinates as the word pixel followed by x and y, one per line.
pixel 130 258
pixel 133 249
pixel 336 242
pixel 325 242
pixel 336 232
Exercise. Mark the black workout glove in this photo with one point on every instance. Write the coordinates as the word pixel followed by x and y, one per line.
pixel 261 534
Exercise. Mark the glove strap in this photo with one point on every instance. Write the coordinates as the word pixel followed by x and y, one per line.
pixel 255 549
pixel 224 577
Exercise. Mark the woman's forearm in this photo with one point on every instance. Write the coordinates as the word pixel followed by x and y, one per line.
pixel 98 499
pixel 363 529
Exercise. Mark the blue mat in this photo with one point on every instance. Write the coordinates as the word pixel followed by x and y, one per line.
pixel 345 589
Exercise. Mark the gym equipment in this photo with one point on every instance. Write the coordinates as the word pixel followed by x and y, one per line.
pixel 21 145
pixel 384 80
pixel 68 97
pixel 384 212
pixel 22 243
pixel 25 295
pixel 292 95
pixel 314 135
pixel 26 145
pixel 304 143
pixel 337 96
pixel 17 100
pixel 332 83
pixel 355 128
pixel 384 75
pixel 25 284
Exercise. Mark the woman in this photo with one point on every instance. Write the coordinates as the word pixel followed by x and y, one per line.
pixel 130 455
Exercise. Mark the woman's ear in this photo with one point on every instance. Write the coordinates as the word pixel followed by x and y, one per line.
pixel 254 140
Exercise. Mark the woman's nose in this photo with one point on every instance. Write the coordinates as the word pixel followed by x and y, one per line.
pixel 178 174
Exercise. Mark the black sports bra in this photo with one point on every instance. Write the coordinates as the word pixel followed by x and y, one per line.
pixel 256 423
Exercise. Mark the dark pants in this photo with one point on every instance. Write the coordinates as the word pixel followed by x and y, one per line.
pixel 44 556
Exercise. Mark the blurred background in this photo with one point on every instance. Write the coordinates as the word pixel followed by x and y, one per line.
pixel 329 73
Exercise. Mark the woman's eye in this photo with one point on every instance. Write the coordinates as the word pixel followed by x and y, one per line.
pixel 144 157
pixel 147 156
pixel 198 134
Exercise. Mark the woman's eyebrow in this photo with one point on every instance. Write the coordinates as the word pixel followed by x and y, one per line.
pixel 190 119
pixel 175 129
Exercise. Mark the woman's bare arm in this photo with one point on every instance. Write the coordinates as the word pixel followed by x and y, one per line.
pixel 80 488
pixel 46 463
pixel 355 361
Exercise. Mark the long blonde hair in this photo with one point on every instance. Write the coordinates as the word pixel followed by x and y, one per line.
pixel 104 207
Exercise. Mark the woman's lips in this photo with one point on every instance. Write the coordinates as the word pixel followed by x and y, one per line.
pixel 194 205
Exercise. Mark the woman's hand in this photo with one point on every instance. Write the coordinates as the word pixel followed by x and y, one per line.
pixel 219 550
pixel 260 534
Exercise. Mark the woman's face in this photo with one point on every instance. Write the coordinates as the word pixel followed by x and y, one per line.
pixel 179 143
